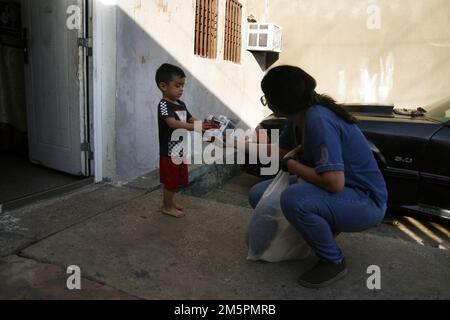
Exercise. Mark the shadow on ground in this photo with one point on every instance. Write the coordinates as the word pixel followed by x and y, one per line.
pixel 133 251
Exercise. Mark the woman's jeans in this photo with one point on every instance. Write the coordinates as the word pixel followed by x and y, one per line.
pixel 318 214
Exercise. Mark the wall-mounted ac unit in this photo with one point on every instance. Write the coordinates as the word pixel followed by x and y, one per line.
pixel 264 37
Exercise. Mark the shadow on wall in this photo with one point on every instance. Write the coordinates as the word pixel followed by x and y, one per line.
pixel 266 59
pixel 137 98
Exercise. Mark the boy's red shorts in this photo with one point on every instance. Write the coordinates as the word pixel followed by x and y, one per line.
pixel 173 175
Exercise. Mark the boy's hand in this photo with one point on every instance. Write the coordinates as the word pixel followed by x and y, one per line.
pixel 206 126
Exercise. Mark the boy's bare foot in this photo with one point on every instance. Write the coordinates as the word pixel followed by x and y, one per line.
pixel 178 206
pixel 173 212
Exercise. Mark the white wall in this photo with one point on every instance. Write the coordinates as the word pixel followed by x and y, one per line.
pixel 373 51
pixel 150 33
pixel 384 51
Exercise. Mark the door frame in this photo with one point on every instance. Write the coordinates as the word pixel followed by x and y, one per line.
pixel 85 88
pixel 104 15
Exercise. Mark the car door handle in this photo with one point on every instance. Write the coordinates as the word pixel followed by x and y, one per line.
pixel 25 45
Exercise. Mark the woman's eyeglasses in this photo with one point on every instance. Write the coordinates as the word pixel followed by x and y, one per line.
pixel 263 100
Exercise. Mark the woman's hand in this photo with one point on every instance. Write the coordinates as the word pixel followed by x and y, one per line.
pixel 333 181
pixel 291 156
pixel 294 153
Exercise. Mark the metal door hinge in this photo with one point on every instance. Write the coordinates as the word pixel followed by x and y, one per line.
pixel 86 43
pixel 86 147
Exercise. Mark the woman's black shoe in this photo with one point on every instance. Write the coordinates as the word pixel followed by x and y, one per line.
pixel 323 274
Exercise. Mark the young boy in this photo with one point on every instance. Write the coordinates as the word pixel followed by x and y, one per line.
pixel 172 115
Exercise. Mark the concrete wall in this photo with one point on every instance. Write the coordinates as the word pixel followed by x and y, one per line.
pixel 153 32
pixel 385 51
pixel 373 51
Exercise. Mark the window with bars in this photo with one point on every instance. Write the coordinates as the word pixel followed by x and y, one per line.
pixel 206 28
pixel 233 36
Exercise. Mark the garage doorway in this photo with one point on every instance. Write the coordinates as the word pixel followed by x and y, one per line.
pixel 45 127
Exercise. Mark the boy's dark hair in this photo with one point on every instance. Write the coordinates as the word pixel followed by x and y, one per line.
pixel 292 90
pixel 166 72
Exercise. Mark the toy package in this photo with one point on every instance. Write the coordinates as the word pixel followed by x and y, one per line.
pixel 219 127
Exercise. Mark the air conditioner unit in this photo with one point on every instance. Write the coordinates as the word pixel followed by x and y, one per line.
pixel 264 37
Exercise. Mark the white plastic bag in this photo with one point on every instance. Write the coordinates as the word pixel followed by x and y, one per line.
pixel 270 236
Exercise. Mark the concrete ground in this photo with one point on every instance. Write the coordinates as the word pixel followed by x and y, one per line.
pixel 127 250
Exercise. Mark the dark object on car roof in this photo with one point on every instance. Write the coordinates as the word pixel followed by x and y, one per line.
pixel 419 112
pixel 380 110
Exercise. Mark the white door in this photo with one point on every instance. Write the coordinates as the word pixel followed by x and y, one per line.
pixel 55 83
